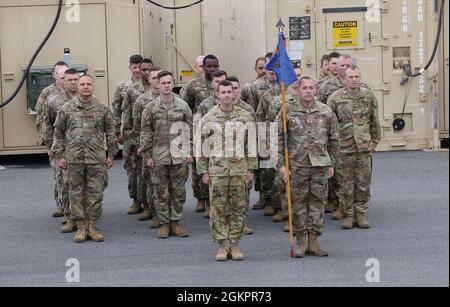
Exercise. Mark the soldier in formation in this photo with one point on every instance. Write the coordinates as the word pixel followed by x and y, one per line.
pixel 227 172
pixel 81 127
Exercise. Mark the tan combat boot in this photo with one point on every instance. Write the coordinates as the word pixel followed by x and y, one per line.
pixel 135 208
pixel 201 207
pixel 66 218
pixel 164 231
pixel 314 247
pixel 177 230
pixel 80 236
pixel 222 255
pixel 279 216
pixel 348 223
pixel 331 205
pixel 93 233
pixel 337 215
pixel 147 214
pixel 58 212
pixel 154 222
pixel 259 205
pixel 362 221
pixel 207 213
pixel 300 251
pixel 268 208
pixel 247 230
pixel 286 228
pixel 236 254
pixel 69 227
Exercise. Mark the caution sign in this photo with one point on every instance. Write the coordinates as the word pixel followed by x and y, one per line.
pixel 187 73
pixel 345 34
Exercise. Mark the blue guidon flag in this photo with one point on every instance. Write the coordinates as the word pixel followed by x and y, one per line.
pixel 281 64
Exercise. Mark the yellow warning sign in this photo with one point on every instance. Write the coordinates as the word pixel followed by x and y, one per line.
pixel 345 34
pixel 187 73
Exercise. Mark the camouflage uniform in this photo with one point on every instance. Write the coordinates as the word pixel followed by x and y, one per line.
pixel 246 91
pixel 328 87
pixel 142 168
pixel 331 85
pixel 313 142
pixel 132 161
pixel 228 189
pixel 48 92
pixel 54 104
pixel 279 187
pixel 196 92
pixel 360 133
pixel 267 174
pixel 79 137
pixel 209 103
pixel 258 89
pixel 318 84
pixel 171 170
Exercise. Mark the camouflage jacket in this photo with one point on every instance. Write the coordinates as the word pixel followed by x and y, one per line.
pixel 266 101
pixel 245 106
pixel 209 103
pixel 138 108
pixel 318 83
pixel 51 111
pixel 119 96
pixel 275 107
pixel 358 119
pixel 160 136
pixel 313 135
pixel 258 89
pixel 81 130
pixel 217 162
pixel 246 91
pixel 196 91
pixel 330 86
pixel 128 103
pixel 42 100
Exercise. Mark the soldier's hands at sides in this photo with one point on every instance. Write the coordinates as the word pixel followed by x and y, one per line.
pixel 51 154
pixel 330 172
pixel 120 139
pixel 205 178
pixel 62 163
pixel 140 152
pixel 109 163
pixel 151 163
pixel 284 174
pixel 249 177
pixel 190 160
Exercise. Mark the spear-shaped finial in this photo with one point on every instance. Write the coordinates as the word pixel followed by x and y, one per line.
pixel 280 25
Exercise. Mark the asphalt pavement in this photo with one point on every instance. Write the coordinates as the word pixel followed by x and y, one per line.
pixel 408 244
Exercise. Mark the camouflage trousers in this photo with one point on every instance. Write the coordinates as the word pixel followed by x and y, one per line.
pixel 333 187
pixel 87 184
pixel 169 183
pixel 279 200
pixel 129 158
pixel 60 186
pixel 266 183
pixel 309 197
pixel 199 189
pixel 148 187
pixel 354 173
pixel 229 202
